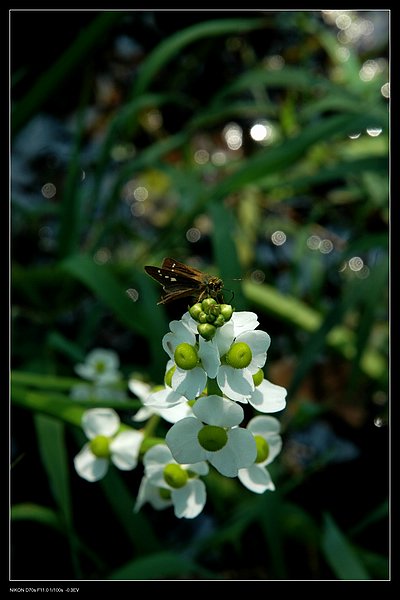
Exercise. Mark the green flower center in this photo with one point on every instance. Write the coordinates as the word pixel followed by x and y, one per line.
pixel 164 493
pixel 168 376
pixel 212 438
pixel 100 446
pixel 258 377
pixel 100 366
pixel 175 476
pixel 186 356
pixel 239 355
pixel 262 448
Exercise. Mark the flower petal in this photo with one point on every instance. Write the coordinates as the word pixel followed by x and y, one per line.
pixel 239 452
pixel 237 384
pixel 175 413
pixel 201 468
pixel 143 414
pixel 189 501
pixel 180 333
pixel 165 398
pixel 209 356
pixel 244 321
pixel 257 479
pixel 139 388
pixel 89 466
pixel 150 493
pixel 259 342
pixel 155 461
pixel 125 449
pixel 157 457
pixel 215 410
pixel 100 421
pixel 268 428
pixel 224 337
pixel 183 443
pixel 190 323
pixel 268 397
pixel 264 425
pixel 189 383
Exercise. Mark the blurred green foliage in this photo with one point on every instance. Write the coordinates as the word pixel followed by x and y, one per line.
pixel 135 142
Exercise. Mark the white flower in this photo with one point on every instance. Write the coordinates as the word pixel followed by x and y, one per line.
pixel 101 427
pixel 151 493
pixel 183 331
pixel 187 382
pixel 236 382
pixel 100 366
pixel 213 434
pixel 170 406
pixel 268 397
pixel 188 493
pixel 256 477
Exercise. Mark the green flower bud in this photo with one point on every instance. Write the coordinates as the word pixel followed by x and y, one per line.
pixel 226 311
pixel 258 377
pixel 207 303
pixel 206 330
pixel 202 317
pixel 168 376
pixel 239 355
pixel 262 448
pixel 212 438
pixel 186 356
pixel 175 476
pixel 100 446
pixel 215 310
pixel 219 321
pixel 195 310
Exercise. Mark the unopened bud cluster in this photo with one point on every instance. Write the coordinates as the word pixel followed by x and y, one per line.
pixel 210 315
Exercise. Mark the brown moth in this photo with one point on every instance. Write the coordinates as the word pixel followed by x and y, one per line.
pixel 181 281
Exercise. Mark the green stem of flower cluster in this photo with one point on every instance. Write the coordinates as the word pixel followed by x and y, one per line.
pixel 213 388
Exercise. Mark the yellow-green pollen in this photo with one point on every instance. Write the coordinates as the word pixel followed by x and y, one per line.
pixel 262 448
pixel 239 355
pixel 258 377
pixel 168 376
pixel 100 446
pixel 186 356
pixel 175 476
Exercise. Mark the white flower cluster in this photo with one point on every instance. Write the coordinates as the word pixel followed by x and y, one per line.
pixel 206 382
pixel 101 372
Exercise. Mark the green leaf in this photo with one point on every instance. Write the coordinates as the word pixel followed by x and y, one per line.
pixel 283 155
pixel 27 511
pixel 52 448
pixel 50 435
pixel 51 404
pixel 292 310
pixel 138 529
pixel 225 252
pixel 340 554
pixel 163 565
pixel 174 45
